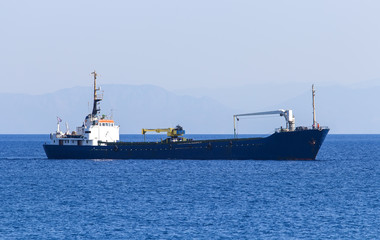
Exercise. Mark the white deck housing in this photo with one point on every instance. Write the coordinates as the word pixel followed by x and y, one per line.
pixel 95 130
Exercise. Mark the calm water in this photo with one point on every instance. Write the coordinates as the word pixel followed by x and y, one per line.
pixel 334 197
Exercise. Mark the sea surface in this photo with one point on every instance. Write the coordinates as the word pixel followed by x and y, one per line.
pixel 336 196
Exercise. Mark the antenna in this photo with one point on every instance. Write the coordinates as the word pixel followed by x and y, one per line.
pixel 58 121
pixel 313 97
pixel 67 128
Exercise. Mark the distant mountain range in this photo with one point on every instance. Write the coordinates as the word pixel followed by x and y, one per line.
pixel 343 109
pixel 132 107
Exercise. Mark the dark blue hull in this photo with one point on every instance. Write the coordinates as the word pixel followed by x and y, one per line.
pixel 297 145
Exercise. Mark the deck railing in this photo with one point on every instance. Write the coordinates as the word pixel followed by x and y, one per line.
pixel 301 128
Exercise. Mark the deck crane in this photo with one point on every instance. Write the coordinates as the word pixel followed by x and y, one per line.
pixel 173 133
pixel 287 114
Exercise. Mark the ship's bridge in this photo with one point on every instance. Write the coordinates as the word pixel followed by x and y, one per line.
pixel 100 130
pixel 106 123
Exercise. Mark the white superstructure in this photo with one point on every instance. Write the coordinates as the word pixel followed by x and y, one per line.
pixel 95 130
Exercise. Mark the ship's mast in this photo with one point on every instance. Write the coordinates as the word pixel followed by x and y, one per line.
pixel 95 108
pixel 314 117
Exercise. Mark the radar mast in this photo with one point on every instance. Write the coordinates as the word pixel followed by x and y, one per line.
pixel 95 109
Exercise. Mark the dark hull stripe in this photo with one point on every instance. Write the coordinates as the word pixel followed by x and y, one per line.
pixel 297 145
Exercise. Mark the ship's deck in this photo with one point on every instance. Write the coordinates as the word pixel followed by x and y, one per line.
pixel 180 142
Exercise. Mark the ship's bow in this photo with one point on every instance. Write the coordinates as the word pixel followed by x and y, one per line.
pixel 298 145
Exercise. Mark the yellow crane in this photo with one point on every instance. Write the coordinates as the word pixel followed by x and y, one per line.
pixel 171 132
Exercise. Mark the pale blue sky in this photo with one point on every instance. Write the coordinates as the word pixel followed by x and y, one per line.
pixel 50 45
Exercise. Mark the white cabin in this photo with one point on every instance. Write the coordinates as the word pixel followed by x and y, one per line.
pixel 94 131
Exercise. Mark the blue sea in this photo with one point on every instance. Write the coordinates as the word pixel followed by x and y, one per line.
pixel 336 196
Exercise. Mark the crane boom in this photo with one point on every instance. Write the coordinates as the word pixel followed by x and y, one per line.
pixel 171 132
pixel 280 111
pixel 288 114
pixel 158 130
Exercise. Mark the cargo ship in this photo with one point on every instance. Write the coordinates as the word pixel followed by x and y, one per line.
pixel 98 138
